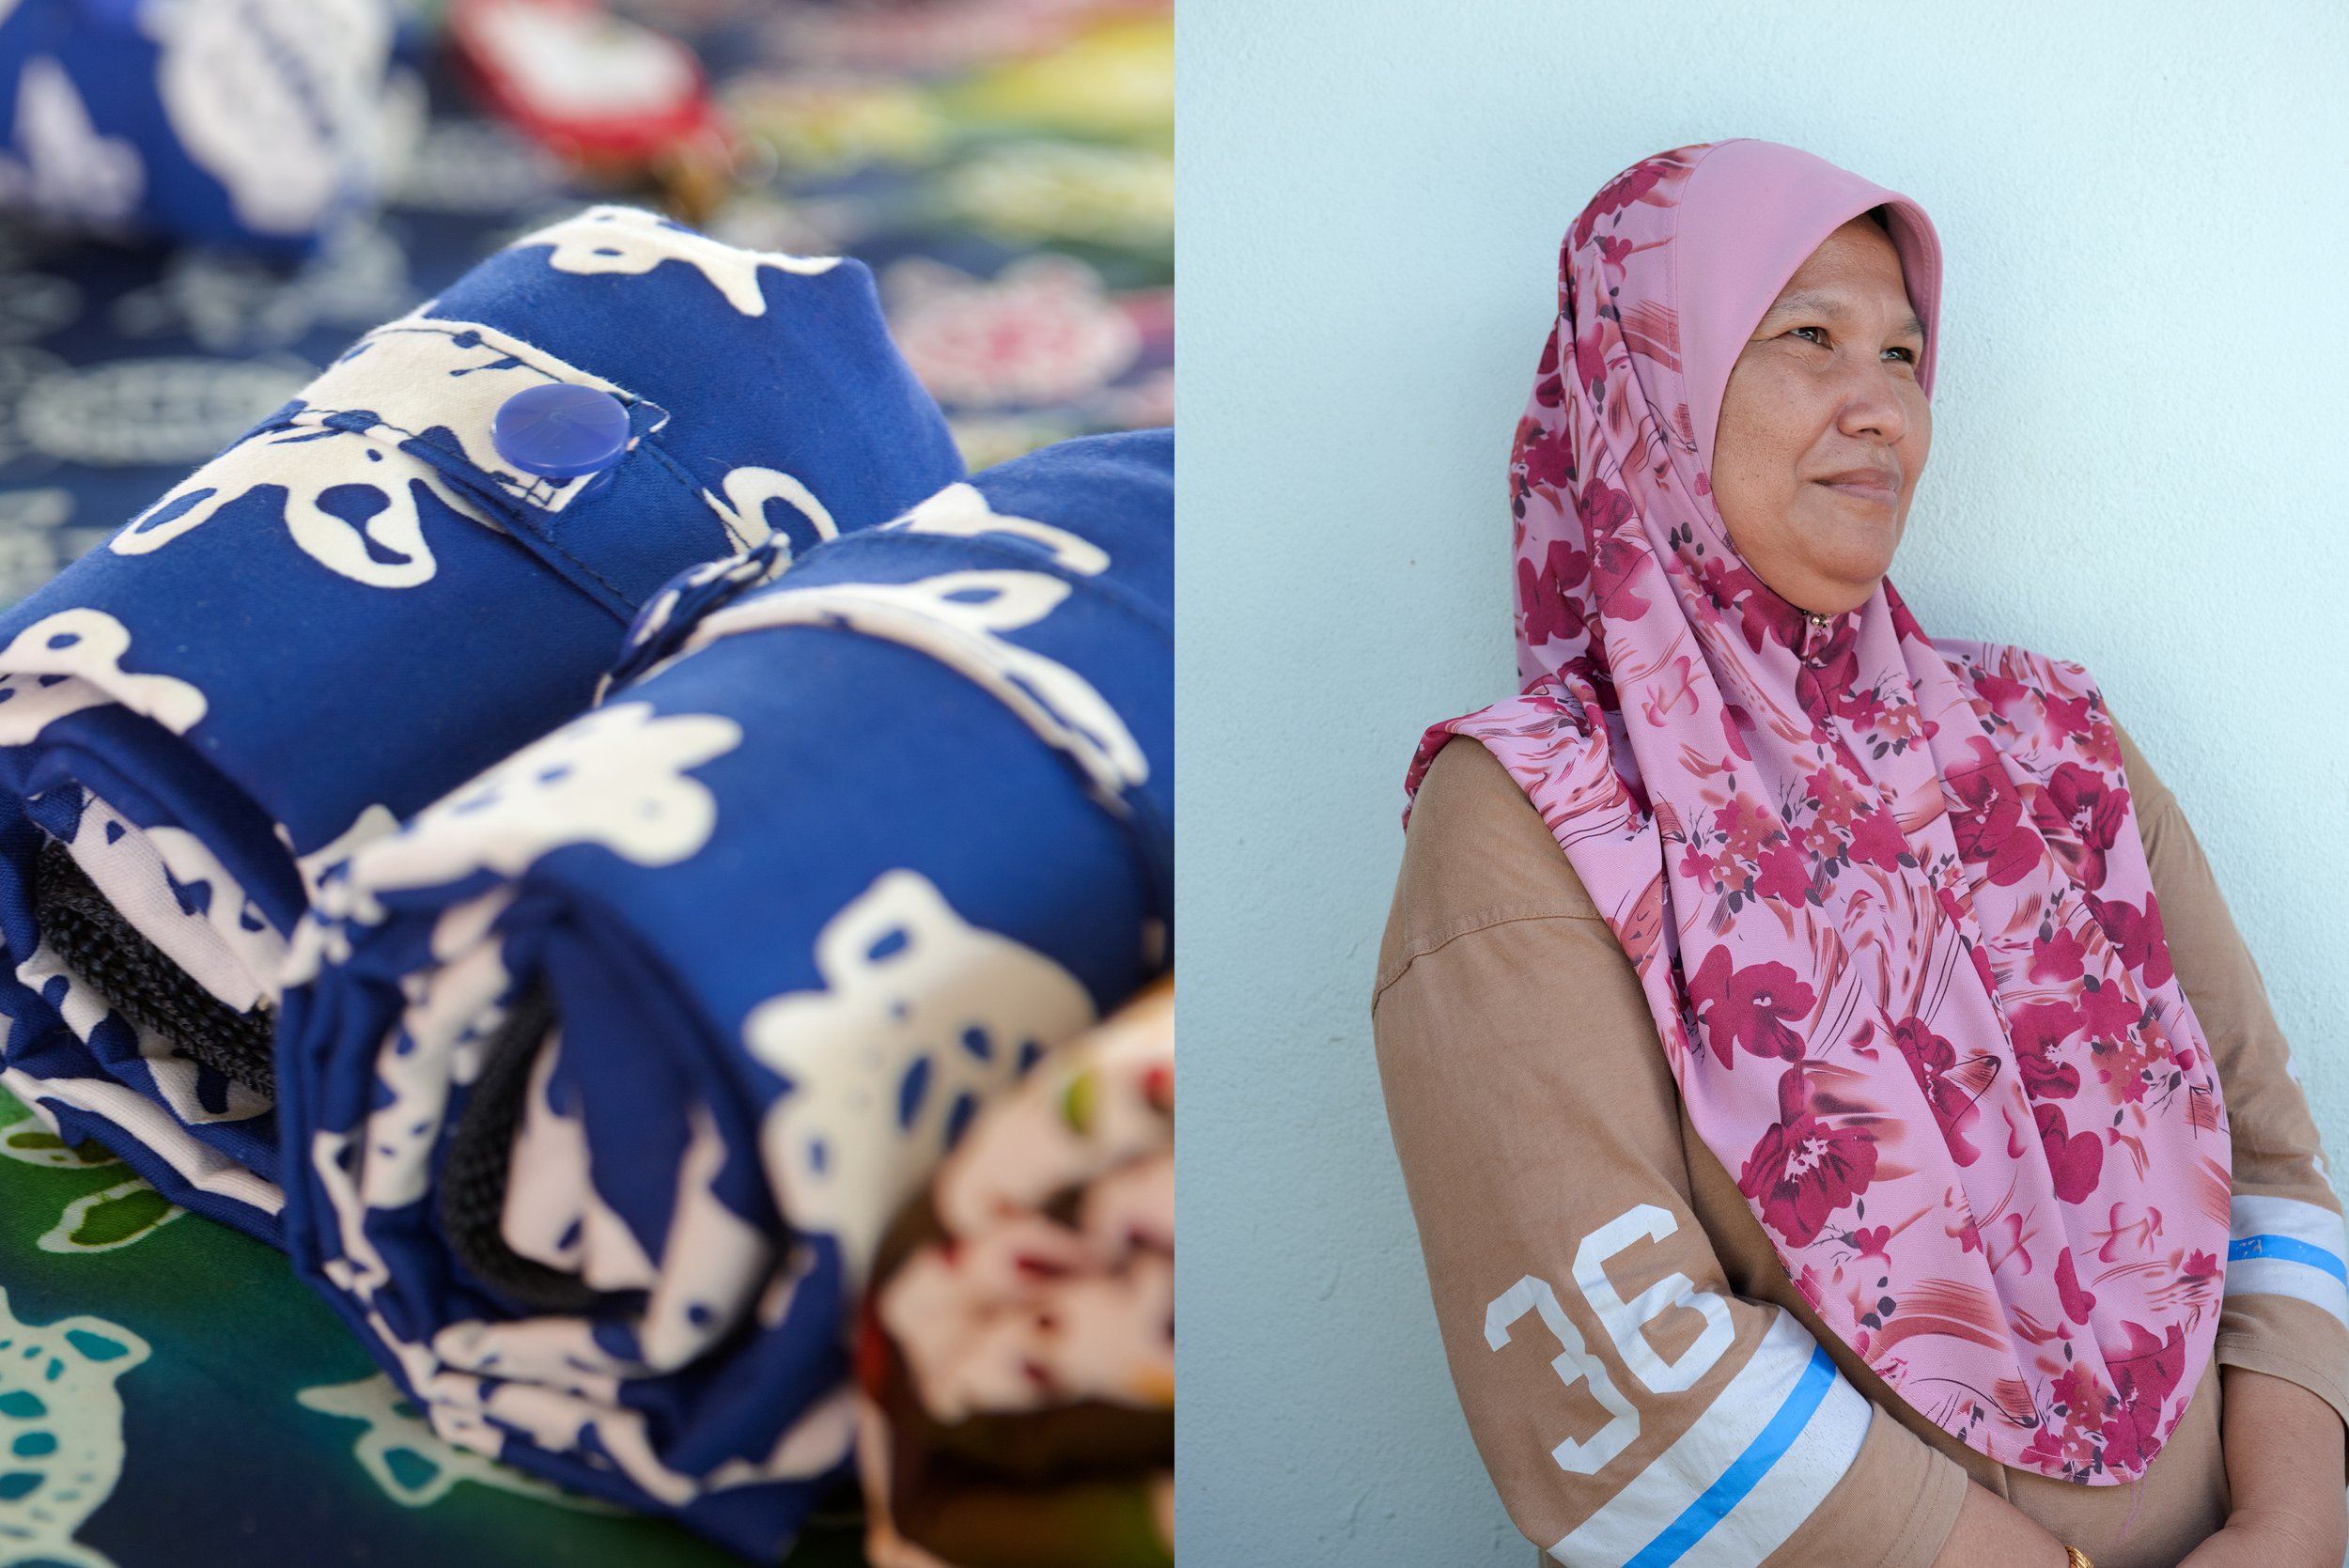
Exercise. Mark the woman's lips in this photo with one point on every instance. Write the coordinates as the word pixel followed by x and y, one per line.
pixel 1872 485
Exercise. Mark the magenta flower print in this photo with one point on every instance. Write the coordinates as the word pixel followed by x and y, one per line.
pixel 1634 184
pixel 2058 957
pixel 2078 1303
pixel 2109 1012
pixel 1750 1007
pixel 2074 1160
pixel 1953 1092
pixel 2082 820
pixel 1549 389
pixel 1989 826
pixel 1802 1172
pixel 2008 698
pixel 1548 459
pixel 2136 934
pixel 1876 839
pixel 1616 565
pixel 1613 252
pixel 2039 1028
pixel 1828 681
pixel 2070 714
pixel 1590 356
pixel 1744 826
pixel 2144 1375
pixel 1762 615
pixel 1786 875
pixel 1735 724
pixel 1547 615
pixel 1839 802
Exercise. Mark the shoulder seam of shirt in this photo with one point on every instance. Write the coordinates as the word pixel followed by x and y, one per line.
pixel 1470 924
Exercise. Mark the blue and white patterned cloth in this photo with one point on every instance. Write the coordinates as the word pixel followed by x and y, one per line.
pixel 261 124
pixel 716 973
pixel 356 607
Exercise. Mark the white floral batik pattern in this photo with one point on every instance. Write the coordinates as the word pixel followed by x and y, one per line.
pixel 618 777
pixel 923 1017
pixel 744 509
pixel 67 168
pixel 352 491
pixel 85 646
pixel 159 1120
pixel 225 944
pixel 958 618
pixel 283 102
pixel 632 242
pixel 961 511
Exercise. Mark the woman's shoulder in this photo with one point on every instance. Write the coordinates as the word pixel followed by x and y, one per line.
pixel 1477 855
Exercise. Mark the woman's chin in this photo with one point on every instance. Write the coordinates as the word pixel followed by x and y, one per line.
pixel 1847 556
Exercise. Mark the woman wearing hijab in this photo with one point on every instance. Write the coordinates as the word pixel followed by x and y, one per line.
pixel 1843 1122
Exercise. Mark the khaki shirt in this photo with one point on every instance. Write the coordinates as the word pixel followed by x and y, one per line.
pixel 1584 1244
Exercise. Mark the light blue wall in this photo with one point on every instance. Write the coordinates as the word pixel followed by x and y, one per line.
pixel 2141 409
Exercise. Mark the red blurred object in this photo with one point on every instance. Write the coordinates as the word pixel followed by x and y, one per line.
pixel 588 86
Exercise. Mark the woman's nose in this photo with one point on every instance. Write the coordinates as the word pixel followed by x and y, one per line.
pixel 1872 404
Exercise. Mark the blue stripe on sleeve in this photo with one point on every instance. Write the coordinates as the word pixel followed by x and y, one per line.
pixel 1746 1473
pixel 2288 1249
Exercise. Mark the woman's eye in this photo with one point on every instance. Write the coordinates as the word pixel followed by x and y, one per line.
pixel 1907 354
pixel 1809 334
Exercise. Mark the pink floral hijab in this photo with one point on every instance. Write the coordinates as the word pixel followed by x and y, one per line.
pixel 1885 892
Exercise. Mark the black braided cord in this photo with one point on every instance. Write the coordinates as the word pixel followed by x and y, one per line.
pixel 107 952
pixel 473 1179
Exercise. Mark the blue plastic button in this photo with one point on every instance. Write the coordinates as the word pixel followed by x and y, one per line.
pixel 560 431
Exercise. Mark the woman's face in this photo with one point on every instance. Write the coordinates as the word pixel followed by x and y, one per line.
pixel 1824 429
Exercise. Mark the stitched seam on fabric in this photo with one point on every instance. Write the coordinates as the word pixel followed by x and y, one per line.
pixel 533 357
pixel 609 586
pixel 1910 1541
pixel 676 472
pixel 1484 921
pixel 2238 1349
pixel 2261 1347
pixel 544 532
pixel 648 446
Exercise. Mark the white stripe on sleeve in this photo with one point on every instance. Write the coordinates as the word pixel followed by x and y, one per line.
pixel 1762 1457
pixel 2283 1247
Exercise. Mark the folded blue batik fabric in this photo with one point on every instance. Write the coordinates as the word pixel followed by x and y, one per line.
pixel 617 1062
pixel 260 124
pixel 363 603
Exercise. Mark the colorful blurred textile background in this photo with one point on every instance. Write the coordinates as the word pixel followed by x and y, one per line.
pixel 1006 166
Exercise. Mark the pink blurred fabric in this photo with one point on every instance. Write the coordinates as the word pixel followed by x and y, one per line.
pixel 1885 892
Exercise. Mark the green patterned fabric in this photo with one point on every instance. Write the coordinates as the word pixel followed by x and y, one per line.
pixel 169 1393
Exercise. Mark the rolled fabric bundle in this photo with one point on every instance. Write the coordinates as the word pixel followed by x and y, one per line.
pixel 389 583
pixel 619 1061
pixel 260 124
pixel 1017 1356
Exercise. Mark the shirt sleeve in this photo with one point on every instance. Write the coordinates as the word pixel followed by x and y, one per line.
pixel 2286 1309
pixel 1629 1406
